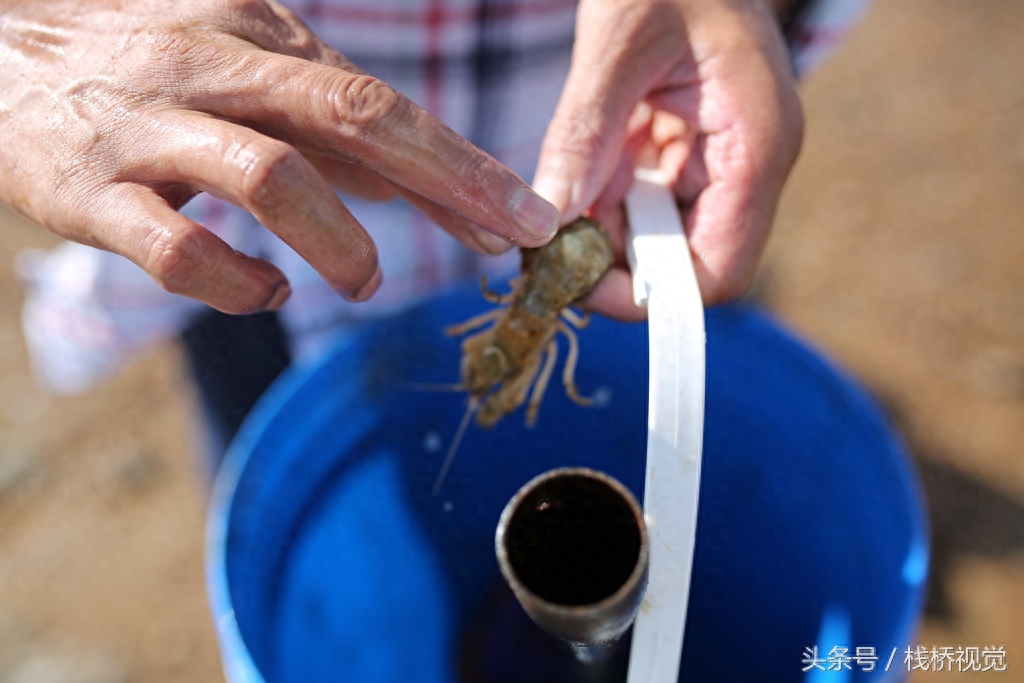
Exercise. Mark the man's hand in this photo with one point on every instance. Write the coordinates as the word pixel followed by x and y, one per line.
pixel 702 86
pixel 114 113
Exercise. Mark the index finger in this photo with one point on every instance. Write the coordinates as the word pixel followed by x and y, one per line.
pixel 362 119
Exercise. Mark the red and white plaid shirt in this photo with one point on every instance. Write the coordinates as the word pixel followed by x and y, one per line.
pixel 490 69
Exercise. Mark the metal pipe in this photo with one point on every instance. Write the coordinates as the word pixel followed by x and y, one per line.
pixel 572 545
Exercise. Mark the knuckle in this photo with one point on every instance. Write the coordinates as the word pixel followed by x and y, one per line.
pixel 269 171
pixel 475 168
pixel 174 259
pixel 187 262
pixel 363 102
pixel 303 44
pixel 581 135
pixel 273 23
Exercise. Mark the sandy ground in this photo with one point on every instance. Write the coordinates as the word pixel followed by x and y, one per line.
pixel 899 250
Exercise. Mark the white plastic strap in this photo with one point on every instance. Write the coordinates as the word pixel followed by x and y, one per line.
pixel 664 281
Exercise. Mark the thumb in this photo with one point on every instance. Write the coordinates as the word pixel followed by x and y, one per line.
pixel 618 58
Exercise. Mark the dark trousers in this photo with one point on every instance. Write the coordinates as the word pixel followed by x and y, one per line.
pixel 233 359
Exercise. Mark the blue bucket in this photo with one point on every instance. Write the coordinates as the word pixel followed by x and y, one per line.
pixel 329 559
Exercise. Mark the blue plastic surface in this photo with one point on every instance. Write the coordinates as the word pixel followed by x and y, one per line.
pixel 330 560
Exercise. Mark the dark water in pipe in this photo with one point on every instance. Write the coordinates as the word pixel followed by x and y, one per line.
pixel 573 541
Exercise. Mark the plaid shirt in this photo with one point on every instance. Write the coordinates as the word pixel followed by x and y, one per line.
pixel 490 69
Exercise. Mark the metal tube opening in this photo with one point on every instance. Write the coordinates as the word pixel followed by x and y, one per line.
pixel 573 546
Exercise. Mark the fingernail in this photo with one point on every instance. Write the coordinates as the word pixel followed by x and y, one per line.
pixel 368 290
pixel 554 189
pixel 491 243
pixel 534 215
pixel 281 294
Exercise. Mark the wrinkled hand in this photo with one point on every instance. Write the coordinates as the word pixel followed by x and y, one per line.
pixel 114 113
pixel 707 85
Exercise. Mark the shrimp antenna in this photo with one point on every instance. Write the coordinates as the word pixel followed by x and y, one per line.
pixel 426 386
pixel 471 409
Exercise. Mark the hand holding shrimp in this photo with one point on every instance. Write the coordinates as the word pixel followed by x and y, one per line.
pixel 709 85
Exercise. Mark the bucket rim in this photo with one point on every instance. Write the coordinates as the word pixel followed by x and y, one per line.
pixel 236 660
